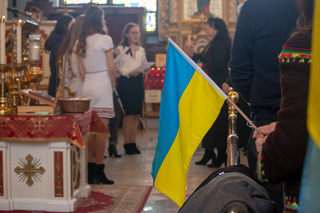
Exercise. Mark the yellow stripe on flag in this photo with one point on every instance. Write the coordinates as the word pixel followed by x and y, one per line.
pixel 313 120
pixel 199 107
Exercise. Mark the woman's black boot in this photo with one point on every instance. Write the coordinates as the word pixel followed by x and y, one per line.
pixel 113 151
pixel 128 148
pixel 100 176
pixel 134 148
pixel 209 154
pixel 91 171
pixel 222 158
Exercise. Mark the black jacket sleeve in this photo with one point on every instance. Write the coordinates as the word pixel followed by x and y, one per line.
pixel 241 54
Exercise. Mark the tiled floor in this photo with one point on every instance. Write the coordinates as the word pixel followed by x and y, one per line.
pixel 136 169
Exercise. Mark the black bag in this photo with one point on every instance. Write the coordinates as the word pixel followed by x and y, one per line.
pixel 233 189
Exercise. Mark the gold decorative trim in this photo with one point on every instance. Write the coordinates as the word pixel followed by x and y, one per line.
pixel 233 135
pixel 164 16
pixel 29 170
pixel 58 175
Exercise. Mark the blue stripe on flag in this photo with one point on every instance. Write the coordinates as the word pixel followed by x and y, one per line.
pixel 174 85
pixel 310 187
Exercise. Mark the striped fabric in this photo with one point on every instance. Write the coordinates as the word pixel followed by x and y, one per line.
pixel 190 104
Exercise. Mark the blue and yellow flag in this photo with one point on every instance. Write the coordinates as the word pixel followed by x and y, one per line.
pixel 190 104
pixel 310 184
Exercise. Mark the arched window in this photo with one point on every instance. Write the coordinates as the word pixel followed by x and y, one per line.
pixel 150 5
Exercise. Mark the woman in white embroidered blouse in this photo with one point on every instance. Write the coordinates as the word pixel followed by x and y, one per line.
pixel 131 89
pixel 96 66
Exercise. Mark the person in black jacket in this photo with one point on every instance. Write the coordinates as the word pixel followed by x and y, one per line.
pixel 262 29
pixel 52 44
pixel 215 59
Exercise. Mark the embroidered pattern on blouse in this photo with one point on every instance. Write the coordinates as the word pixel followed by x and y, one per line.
pixel 260 172
pixel 289 54
pixel 290 204
pixel 104 112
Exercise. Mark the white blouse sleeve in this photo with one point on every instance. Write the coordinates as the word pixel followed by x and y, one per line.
pixel 120 69
pixel 106 42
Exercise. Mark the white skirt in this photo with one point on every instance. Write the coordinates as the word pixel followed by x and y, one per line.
pixel 97 85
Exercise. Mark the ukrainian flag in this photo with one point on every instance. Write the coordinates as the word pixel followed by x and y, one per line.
pixel 190 104
pixel 310 187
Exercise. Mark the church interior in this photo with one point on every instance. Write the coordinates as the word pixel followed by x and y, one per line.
pixel 45 151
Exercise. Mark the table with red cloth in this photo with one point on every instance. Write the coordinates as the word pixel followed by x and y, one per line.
pixel 43 160
pixel 71 128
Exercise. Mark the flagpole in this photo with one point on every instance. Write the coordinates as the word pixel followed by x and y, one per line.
pixel 192 63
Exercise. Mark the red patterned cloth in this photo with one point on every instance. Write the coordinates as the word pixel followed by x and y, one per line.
pixel 52 128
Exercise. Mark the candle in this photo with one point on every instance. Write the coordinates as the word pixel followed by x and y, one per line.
pixel 162 82
pixel 145 83
pixel 150 84
pixel 158 70
pixel 151 76
pixel 3 40
pixel 157 84
pixel 164 70
pixel 152 70
pixel 35 53
pixel 162 76
pixel 146 77
pixel 158 77
pixel 19 42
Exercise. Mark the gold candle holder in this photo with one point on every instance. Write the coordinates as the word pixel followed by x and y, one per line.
pixel 14 87
pixel 4 110
pixel 34 73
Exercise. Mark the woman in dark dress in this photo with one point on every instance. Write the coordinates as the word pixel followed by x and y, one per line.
pixel 215 59
pixel 53 44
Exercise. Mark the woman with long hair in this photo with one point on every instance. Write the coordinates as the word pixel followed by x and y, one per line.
pixel 53 44
pixel 95 63
pixel 73 80
pixel 68 73
pixel 77 80
pixel 215 58
pixel 282 145
pixel 131 90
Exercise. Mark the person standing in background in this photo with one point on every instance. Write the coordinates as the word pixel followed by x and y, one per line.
pixel 76 80
pixel 215 59
pixel 96 66
pixel 262 28
pixel 53 44
pixel 282 145
pixel 131 89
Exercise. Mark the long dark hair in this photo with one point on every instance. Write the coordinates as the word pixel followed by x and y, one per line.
pixel 63 48
pixel 92 23
pixel 77 27
pixel 305 21
pixel 61 27
pixel 223 33
pixel 125 41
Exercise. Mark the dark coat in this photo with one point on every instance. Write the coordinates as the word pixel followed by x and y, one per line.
pixel 215 59
pixel 53 44
pixel 262 28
